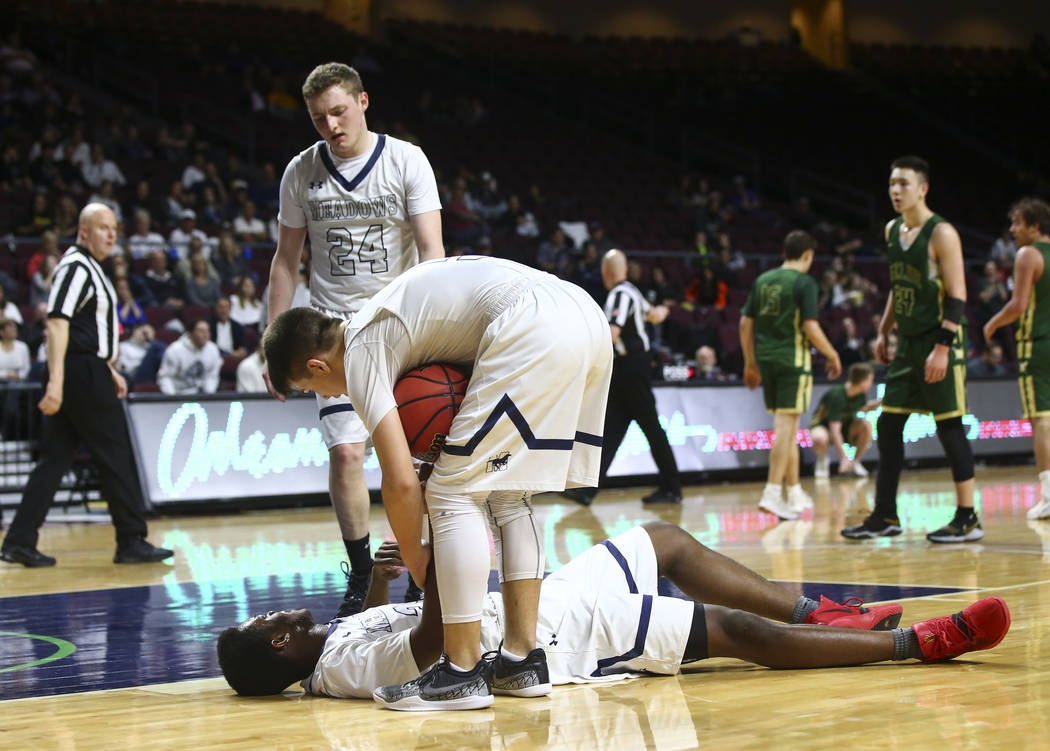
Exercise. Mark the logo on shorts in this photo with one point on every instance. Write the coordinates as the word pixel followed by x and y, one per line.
pixel 498 463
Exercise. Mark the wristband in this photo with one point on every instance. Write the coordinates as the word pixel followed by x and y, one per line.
pixel 954 309
pixel 945 336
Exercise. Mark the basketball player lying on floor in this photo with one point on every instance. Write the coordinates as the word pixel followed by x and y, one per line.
pixel 601 619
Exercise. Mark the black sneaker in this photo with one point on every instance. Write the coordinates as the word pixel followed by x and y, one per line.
pixel 526 678
pixel 873 526
pixel 582 496
pixel 356 590
pixel 441 687
pixel 140 551
pixel 663 496
pixel 413 593
pixel 957 530
pixel 27 556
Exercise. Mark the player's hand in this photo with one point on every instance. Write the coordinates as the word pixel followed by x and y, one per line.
pixel 752 377
pixel 989 330
pixel 882 354
pixel 833 366
pixel 845 466
pixel 658 314
pixel 269 386
pixel 52 401
pixel 937 364
pixel 119 384
pixel 388 564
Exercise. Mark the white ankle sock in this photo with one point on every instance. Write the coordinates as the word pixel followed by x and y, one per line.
pixel 508 655
pixel 457 668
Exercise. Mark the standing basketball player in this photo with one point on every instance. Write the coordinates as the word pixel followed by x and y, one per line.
pixel 778 324
pixel 369 204
pixel 1030 226
pixel 928 372
pixel 542 359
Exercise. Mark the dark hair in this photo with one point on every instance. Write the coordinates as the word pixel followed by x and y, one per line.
pixel 798 242
pixel 859 371
pixel 1034 211
pixel 250 664
pixel 294 337
pixel 912 162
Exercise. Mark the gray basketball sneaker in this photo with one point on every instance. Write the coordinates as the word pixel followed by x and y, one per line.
pixel 441 687
pixel 526 678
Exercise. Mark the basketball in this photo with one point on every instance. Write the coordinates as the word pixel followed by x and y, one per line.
pixel 427 400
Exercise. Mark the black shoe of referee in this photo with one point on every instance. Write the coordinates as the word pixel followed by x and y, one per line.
pixel 27 556
pixel 138 550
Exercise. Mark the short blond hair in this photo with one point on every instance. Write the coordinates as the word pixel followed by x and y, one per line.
pixel 327 75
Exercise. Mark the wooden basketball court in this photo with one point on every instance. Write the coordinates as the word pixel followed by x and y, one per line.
pixel 143 673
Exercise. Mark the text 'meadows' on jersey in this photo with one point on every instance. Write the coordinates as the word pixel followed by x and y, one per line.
pixel 918 291
pixel 357 212
pixel 780 301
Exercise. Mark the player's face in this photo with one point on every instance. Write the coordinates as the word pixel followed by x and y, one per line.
pixel 323 383
pixel 1024 233
pixel 339 118
pixel 281 620
pixel 907 188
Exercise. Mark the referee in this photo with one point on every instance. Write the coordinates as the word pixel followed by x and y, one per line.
pixel 630 393
pixel 82 401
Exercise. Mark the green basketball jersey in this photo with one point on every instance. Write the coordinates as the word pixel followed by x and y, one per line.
pixel 918 293
pixel 837 406
pixel 1035 321
pixel 779 302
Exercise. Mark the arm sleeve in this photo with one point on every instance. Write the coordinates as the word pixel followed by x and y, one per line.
pixel 421 191
pixel 806 295
pixel 291 213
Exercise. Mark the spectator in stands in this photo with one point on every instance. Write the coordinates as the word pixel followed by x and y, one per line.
pixel 170 146
pixel 144 241
pixel 707 290
pixel 141 355
pixel 201 287
pixel 37 217
pixel 14 354
pixel 461 224
pixel 588 273
pixel 660 290
pixel 209 209
pixel 164 285
pixel 227 334
pixel 48 172
pixel 120 268
pixel 598 237
pixel 803 216
pixel 247 227
pixel 246 308
pixel 229 261
pixel 849 345
pixel 846 242
pixel 194 171
pixel 730 261
pixel 191 364
pixel 180 237
pixel 706 366
pixel 250 372
pixel 8 309
pixel 14 172
pixel 129 313
pixel 213 180
pixel 104 194
pixel 701 246
pixel 744 200
pixel 175 203
pixel 66 217
pixel 491 203
pixel 40 282
pixel 74 150
pixel 548 250
pixel 100 168
pixel 988 365
pixel 1004 250
pixel 990 298
pixel 713 218
pixel 266 189
pixel 142 200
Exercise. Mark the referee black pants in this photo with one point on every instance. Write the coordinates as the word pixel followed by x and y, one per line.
pixel 91 413
pixel 631 398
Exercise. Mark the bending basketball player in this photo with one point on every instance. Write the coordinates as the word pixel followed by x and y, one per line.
pixel 541 357
pixel 600 633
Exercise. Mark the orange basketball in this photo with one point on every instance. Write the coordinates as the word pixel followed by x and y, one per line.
pixel 427 400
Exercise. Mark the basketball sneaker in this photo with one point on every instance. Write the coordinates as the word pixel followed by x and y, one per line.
pixel 441 687
pixel 873 526
pixel 529 677
pixel 958 530
pixel 798 499
pixel 356 591
pixel 772 503
pixel 859 470
pixel 821 471
pixel 1040 510
pixel 853 614
pixel 980 626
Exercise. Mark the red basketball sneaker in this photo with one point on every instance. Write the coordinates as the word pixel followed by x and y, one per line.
pixel 852 614
pixel 980 626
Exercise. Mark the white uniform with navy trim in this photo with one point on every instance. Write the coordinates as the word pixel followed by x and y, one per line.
pixel 541 357
pixel 600 619
pixel 357 214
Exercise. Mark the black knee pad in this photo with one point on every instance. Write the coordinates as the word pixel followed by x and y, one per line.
pixel 696 645
pixel 952 435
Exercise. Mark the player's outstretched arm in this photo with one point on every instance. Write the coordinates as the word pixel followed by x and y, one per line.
pixel 946 248
pixel 284 269
pixel 1028 268
pixel 747 346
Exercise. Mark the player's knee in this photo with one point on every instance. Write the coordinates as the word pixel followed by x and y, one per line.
pixel 952 435
pixel 347 457
pixel 671 544
pixel 741 628
pixel 891 429
pixel 505 506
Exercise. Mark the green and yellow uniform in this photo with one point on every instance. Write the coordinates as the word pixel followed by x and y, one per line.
pixel 779 302
pixel 838 406
pixel 918 306
pixel 1033 344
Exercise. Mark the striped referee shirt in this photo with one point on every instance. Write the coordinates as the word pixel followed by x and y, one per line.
pixel 83 295
pixel 626 307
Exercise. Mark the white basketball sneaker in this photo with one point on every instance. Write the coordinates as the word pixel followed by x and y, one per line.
pixel 1040 510
pixel 773 503
pixel 798 499
pixel 820 470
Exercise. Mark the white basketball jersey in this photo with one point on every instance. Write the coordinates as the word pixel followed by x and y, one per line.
pixel 357 214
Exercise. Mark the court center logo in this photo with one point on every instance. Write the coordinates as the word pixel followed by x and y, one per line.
pixel 498 463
